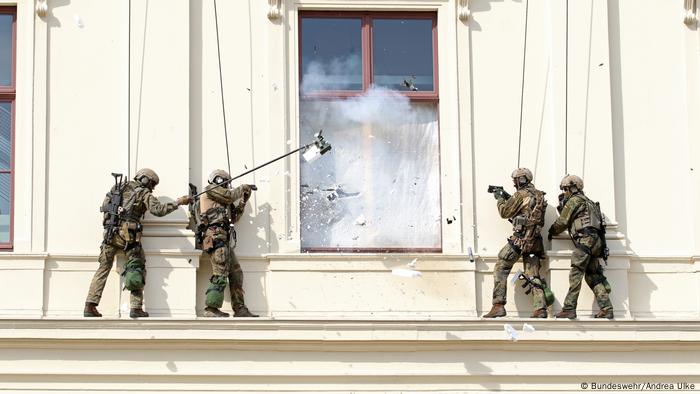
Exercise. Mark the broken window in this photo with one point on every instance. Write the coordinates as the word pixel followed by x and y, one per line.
pixel 373 94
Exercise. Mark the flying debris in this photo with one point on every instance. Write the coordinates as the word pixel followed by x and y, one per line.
pixel 410 83
pixel 361 220
pixel 412 264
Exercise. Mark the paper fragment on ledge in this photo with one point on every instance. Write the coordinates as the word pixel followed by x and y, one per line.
pixel 406 273
pixel 361 220
pixel 528 328
pixel 412 264
pixel 510 332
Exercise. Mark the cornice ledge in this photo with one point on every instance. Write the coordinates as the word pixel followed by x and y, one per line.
pixel 367 334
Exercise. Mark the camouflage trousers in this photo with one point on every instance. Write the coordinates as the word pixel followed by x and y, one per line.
pixel 585 266
pixel 224 263
pixel 506 259
pixel 106 260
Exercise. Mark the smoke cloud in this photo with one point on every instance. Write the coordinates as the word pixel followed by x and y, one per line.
pixel 384 167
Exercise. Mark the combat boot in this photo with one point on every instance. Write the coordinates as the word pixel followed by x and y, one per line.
pixel 497 310
pixel 214 312
pixel 566 314
pixel 539 313
pixel 604 314
pixel 243 311
pixel 137 312
pixel 91 310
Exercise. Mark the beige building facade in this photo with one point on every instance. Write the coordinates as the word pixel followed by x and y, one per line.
pixel 608 90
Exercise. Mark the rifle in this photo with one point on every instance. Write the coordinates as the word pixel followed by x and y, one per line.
pixel 498 190
pixel 601 234
pixel 195 223
pixel 113 209
pixel 530 283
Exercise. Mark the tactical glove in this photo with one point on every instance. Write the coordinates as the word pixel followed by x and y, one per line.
pixel 247 190
pixel 184 200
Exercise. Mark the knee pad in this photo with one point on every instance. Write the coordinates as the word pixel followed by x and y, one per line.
pixel 133 275
pixel 215 292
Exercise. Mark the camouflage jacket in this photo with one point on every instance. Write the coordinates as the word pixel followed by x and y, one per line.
pixel 137 199
pixel 527 220
pixel 223 205
pixel 575 207
pixel 575 210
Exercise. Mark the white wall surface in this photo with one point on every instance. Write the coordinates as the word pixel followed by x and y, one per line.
pixel 615 97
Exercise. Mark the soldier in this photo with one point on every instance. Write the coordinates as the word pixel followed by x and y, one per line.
pixel 583 219
pixel 525 209
pixel 219 208
pixel 137 198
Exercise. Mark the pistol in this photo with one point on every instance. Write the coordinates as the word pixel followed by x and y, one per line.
pixel 499 190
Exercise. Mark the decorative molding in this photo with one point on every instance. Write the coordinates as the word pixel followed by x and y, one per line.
pixel 42 8
pixel 275 10
pixel 464 12
pixel 691 13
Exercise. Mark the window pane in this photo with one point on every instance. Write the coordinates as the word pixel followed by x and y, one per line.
pixel 5 208
pixel 403 51
pixel 331 54
pixel 379 186
pixel 6 49
pixel 5 135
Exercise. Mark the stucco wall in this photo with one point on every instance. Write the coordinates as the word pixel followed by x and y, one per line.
pixel 618 102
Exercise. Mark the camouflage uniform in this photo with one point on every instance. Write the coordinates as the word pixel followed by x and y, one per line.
pixel 526 241
pixel 219 208
pixel 136 200
pixel 574 215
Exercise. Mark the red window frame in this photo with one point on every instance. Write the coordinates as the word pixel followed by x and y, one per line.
pixel 367 80
pixel 8 94
pixel 367 52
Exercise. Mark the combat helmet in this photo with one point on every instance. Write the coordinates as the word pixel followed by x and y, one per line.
pixel 151 176
pixel 522 171
pixel 218 177
pixel 571 180
pixel 517 176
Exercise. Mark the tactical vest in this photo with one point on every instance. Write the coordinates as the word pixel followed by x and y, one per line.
pixel 212 211
pixel 133 201
pixel 527 225
pixel 589 218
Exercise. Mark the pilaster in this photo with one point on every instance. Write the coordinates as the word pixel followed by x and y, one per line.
pixel 159 139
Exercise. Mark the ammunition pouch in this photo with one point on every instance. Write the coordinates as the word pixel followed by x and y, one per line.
pixel 130 231
pixel 513 244
pixel 215 292
pixel 519 223
pixel 134 275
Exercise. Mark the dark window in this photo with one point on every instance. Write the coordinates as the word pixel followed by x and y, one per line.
pixel 403 51
pixel 369 81
pixel 332 50
pixel 7 103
